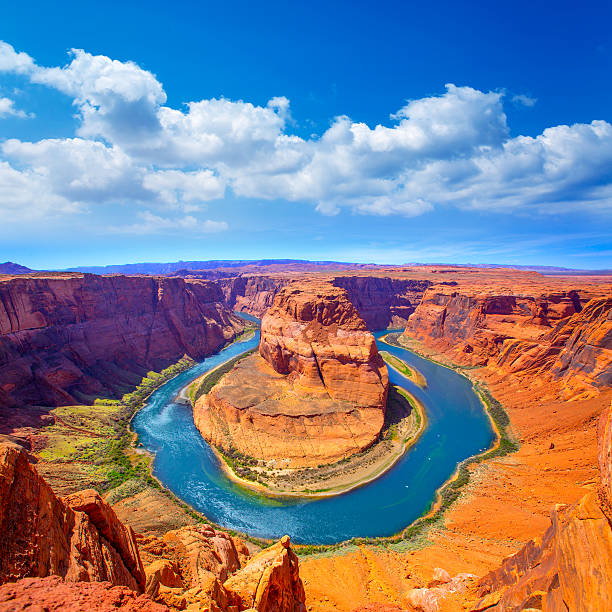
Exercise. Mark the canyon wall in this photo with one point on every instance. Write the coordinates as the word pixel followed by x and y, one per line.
pixel 382 301
pixel 73 553
pixel 68 338
pixel 315 394
pixel 252 294
pixel 577 352
pixel 78 538
pixel 557 334
pixel 570 566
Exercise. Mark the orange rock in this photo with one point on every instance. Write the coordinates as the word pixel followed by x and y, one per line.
pixel 570 568
pixel 315 395
pixel 270 581
pixel 314 333
pixel 52 594
pixel 202 551
pixel 43 535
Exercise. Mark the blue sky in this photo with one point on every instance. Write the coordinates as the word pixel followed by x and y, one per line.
pixel 388 132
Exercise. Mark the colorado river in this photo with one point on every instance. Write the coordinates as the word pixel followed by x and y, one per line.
pixel 458 428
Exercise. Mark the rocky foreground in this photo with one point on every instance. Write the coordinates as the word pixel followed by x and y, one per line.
pixel 74 554
pixel 316 392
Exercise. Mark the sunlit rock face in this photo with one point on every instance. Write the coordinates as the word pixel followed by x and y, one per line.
pixel 317 391
pixel 315 335
pixel 570 566
pixel 78 537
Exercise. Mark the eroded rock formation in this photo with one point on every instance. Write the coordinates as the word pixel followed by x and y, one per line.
pixel 314 334
pixel 74 554
pixel 66 339
pixel 316 392
pixel 556 335
pixel 577 351
pixel 570 567
pixel 78 538
pixel 270 581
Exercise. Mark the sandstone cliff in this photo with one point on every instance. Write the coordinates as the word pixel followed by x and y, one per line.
pixel 69 338
pixel 570 567
pixel 315 334
pixel 78 538
pixel 577 351
pixel 315 394
pixel 270 581
pixel 74 554
pixel 382 301
pixel 252 294
pixel 555 335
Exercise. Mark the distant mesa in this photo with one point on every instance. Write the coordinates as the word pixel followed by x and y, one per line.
pixel 9 267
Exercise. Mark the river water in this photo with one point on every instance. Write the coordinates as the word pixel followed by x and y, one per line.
pixel 457 429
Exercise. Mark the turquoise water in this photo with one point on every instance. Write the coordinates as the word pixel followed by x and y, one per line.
pixel 458 428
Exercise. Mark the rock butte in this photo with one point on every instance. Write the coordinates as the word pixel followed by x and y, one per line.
pixel 317 391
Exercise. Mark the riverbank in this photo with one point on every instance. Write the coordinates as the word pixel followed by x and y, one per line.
pixel 404 369
pixel 402 429
pixel 405 536
pixel 506 502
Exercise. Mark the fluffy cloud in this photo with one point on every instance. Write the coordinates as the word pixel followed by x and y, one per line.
pixel 7 109
pixel 174 186
pixel 11 61
pixel 79 170
pixel 25 197
pixel 448 150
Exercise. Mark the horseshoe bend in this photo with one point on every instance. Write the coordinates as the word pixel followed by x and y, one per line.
pixel 313 409
pixel 314 394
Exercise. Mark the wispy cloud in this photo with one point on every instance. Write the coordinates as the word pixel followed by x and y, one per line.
pixel 523 100
pixel 7 109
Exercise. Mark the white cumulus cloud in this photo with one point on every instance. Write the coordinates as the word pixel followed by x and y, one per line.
pixel 452 149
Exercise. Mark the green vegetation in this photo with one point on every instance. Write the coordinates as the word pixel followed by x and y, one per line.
pixel 247 334
pixel 152 381
pixel 403 368
pixel 203 385
pixel 93 443
pixel 240 464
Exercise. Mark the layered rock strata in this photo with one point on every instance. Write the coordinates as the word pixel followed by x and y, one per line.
pixel 252 294
pixel 78 538
pixel 317 391
pixel 66 339
pixel 382 301
pixel 570 567
pixel 550 336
